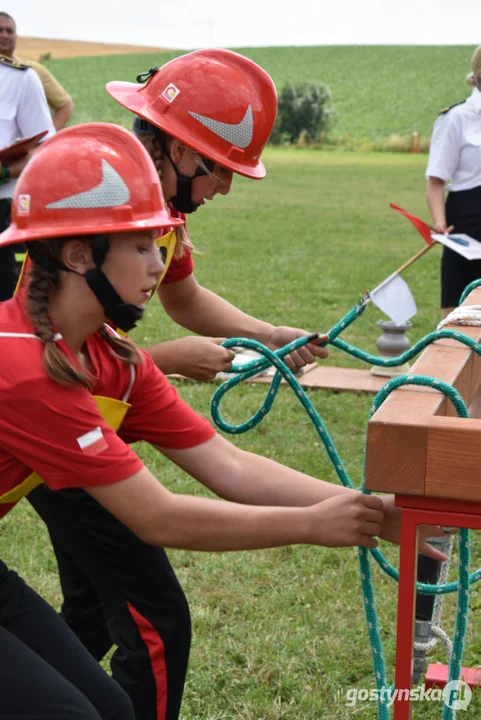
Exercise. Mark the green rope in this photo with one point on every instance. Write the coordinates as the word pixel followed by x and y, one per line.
pixel 469 288
pixel 269 358
pixel 412 352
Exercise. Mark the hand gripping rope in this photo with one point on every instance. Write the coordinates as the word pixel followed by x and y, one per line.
pixel 462 586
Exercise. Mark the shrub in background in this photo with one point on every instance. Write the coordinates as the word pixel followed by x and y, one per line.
pixel 304 111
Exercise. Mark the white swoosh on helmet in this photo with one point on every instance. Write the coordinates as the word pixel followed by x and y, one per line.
pixel 239 134
pixel 110 192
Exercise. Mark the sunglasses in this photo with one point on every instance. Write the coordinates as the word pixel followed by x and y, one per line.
pixel 206 168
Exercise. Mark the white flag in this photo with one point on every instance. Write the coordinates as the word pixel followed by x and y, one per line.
pixel 395 299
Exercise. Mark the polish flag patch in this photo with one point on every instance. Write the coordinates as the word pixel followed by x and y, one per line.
pixel 92 442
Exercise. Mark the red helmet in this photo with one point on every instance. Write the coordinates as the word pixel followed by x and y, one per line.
pixel 86 180
pixel 217 102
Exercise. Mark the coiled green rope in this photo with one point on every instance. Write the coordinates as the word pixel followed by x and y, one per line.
pixel 269 358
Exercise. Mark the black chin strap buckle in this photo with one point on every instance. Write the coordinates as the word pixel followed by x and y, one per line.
pixel 143 77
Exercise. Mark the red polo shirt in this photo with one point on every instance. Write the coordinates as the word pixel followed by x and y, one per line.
pixel 58 431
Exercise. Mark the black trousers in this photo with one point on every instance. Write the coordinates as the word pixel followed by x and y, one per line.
pixel 45 672
pixel 463 210
pixel 8 275
pixel 119 590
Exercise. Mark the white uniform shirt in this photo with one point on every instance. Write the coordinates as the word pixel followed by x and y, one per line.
pixel 455 153
pixel 23 110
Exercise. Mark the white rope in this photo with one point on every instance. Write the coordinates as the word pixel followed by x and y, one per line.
pixel 465 315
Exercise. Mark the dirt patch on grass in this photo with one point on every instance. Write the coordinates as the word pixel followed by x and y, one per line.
pixel 35 48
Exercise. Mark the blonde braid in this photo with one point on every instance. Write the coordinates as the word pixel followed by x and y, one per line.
pixel 152 145
pixel 123 348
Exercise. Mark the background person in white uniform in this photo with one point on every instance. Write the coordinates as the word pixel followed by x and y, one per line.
pixel 58 98
pixel 23 112
pixel 455 164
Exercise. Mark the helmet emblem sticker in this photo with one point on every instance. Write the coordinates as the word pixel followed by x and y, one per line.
pixel 239 134
pixel 23 204
pixel 110 192
pixel 170 92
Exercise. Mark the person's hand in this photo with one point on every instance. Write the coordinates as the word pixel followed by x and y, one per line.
pixel 346 519
pixel 201 358
pixel 282 335
pixel 440 228
pixel 16 166
pixel 391 530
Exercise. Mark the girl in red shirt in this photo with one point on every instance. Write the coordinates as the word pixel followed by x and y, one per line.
pixel 74 395
pixel 204 117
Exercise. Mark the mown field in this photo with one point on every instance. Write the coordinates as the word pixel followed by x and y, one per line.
pixel 280 634
pixel 377 91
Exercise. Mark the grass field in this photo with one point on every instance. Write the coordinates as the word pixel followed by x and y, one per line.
pixel 377 91
pixel 280 634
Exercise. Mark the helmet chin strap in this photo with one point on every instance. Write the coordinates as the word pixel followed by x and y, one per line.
pixel 124 315
pixel 182 201
pixel 183 198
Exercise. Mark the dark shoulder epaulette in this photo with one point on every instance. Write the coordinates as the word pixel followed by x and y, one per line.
pixel 4 60
pixel 443 112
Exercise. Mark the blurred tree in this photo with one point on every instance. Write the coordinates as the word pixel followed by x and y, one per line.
pixel 304 109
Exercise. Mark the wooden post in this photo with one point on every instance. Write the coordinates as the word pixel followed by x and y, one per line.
pixel 416 444
pixel 419 449
pixel 415 142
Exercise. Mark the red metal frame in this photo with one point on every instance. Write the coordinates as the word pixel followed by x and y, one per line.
pixel 419 511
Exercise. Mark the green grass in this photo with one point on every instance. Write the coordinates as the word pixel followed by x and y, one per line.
pixel 377 91
pixel 280 634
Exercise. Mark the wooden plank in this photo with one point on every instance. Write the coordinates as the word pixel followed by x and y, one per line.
pixel 397 441
pixel 324 377
pixel 416 444
pixel 474 298
pixel 475 374
pixel 402 405
pixel 389 468
pixel 452 365
pixel 453 458
pixel 343 379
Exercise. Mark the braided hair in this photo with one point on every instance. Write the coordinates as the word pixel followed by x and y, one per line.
pixel 43 282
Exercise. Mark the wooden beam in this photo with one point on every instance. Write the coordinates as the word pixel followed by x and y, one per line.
pixel 389 467
pixel 416 444
pixel 453 467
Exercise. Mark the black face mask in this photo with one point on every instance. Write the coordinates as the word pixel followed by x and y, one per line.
pixel 183 198
pixel 124 315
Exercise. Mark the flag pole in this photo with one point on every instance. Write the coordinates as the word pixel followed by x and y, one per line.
pixel 396 274
pixel 419 254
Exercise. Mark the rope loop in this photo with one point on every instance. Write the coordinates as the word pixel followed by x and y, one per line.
pixel 276 358
pixel 143 77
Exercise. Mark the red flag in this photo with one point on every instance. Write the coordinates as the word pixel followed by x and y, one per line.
pixel 423 228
